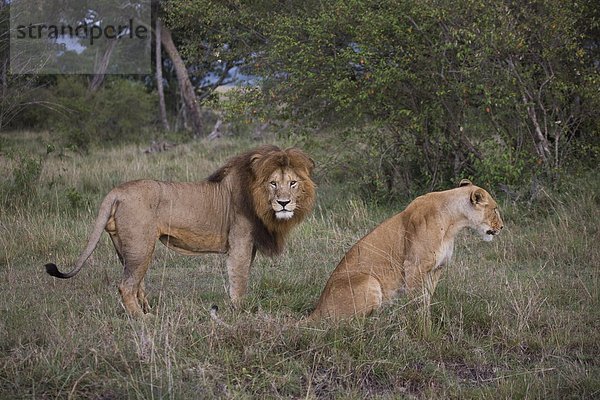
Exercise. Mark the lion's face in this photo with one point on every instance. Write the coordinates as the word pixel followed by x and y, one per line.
pixel 282 190
pixel 283 187
pixel 487 221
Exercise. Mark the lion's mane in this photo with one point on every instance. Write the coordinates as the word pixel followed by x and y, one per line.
pixel 250 171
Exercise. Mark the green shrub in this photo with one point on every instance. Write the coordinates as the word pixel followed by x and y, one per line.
pixel 116 113
pixel 499 165
pixel 25 177
pixel 75 198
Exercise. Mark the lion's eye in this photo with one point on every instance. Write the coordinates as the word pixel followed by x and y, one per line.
pixel 293 183
pixel 273 184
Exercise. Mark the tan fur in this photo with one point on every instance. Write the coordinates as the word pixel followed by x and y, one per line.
pixel 249 204
pixel 406 252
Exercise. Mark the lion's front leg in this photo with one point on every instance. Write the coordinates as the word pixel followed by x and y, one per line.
pixel 239 260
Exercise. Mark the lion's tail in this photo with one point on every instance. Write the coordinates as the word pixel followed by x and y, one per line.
pixel 106 209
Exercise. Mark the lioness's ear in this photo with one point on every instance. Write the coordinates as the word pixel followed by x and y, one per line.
pixel 464 182
pixel 478 197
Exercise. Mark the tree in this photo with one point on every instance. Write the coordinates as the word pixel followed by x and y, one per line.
pixel 17 91
pixel 185 85
pixel 159 76
pixel 101 66
pixel 217 38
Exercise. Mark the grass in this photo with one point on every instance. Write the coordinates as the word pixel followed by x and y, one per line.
pixel 514 318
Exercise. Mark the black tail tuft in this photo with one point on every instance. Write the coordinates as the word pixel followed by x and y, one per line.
pixel 52 269
pixel 215 317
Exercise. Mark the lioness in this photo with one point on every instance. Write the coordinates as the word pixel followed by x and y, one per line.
pixel 251 203
pixel 406 252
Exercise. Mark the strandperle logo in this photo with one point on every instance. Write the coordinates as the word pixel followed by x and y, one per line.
pixel 88 33
pixel 80 37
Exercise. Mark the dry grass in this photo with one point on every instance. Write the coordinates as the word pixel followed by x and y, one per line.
pixel 515 318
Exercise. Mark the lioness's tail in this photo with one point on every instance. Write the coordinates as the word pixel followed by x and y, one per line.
pixel 104 213
pixel 215 317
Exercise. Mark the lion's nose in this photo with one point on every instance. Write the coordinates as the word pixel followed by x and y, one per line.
pixel 283 203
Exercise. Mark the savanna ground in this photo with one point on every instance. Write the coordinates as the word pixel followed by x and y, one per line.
pixel 515 318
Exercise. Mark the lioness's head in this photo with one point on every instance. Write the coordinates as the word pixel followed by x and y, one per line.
pixel 283 190
pixel 483 211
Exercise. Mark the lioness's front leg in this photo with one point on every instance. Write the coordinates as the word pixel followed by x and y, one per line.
pixel 239 259
pixel 143 300
pixel 421 279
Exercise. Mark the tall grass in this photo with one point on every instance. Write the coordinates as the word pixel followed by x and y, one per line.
pixel 515 318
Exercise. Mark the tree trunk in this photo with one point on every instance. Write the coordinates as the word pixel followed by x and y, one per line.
pixel 3 78
pixel 216 132
pixel 185 86
pixel 4 50
pixel 101 67
pixel 541 143
pixel 159 79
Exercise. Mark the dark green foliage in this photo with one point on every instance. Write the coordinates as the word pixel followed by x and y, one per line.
pixel 118 112
pixel 418 94
pixel 494 91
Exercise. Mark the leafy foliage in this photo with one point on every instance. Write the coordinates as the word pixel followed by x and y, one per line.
pixel 444 80
pixel 115 113
pixel 431 90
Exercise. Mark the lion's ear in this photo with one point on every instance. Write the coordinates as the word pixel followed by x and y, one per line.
pixel 255 157
pixel 300 159
pixel 255 161
pixel 311 165
pixel 478 197
pixel 464 182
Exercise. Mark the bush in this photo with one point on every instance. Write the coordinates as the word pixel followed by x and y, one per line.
pixel 25 176
pixel 499 165
pixel 116 113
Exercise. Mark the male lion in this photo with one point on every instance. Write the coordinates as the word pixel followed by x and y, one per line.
pixel 406 252
pixel 251 203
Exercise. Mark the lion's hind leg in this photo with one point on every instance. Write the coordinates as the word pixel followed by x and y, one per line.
pixel 132 287
pixel 117 245
pixel 141 292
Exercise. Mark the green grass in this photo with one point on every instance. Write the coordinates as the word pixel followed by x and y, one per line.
pixel 514 318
